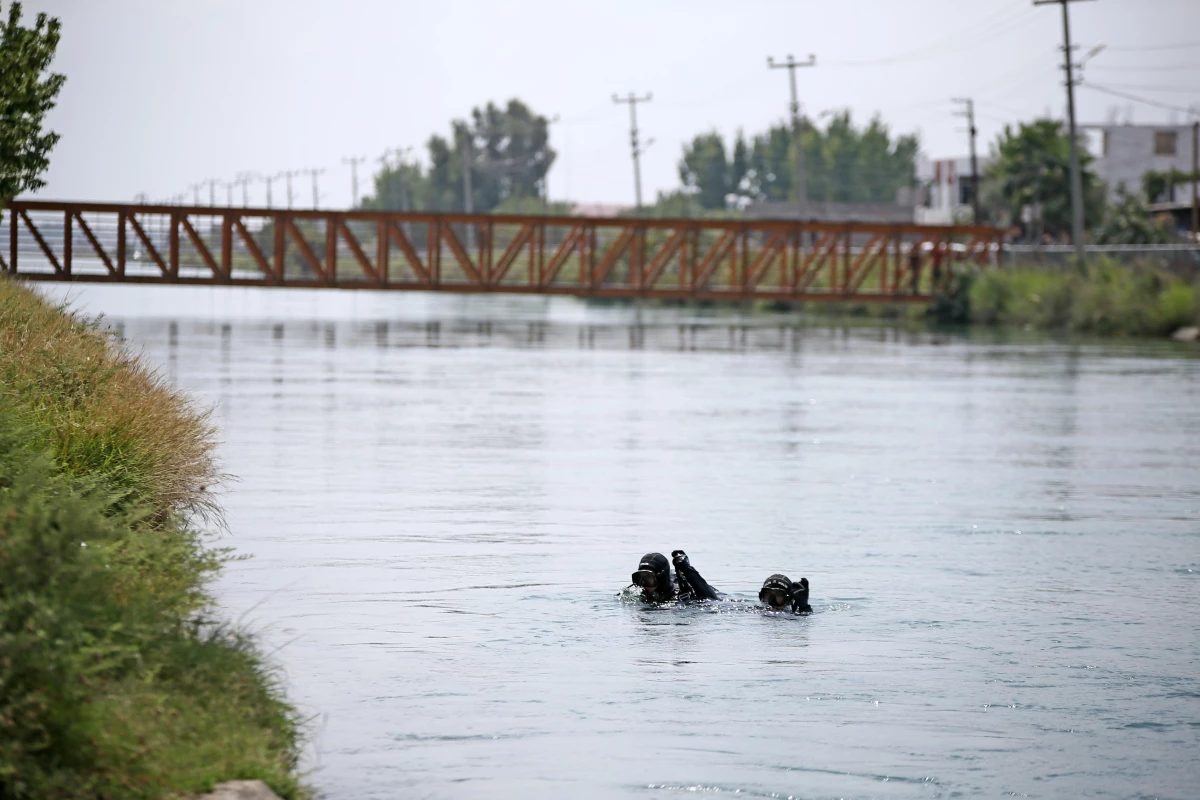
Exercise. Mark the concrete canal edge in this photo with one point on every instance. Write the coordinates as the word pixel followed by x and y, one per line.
pixel 240 790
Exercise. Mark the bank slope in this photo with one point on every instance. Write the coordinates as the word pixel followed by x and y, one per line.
pixel 114 679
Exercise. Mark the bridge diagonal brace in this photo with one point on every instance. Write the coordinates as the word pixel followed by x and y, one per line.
pixel 609 260
pixel 510 254
pixel 396 235
pixel 357 251
pixel 91 237
pixel 716 253
pixel 876 247
pixel 37 235
pixel 201 248
pixel 664 255
pixel 765 259
pixel 154 254
pixel 823 250
pixel 306 252
pixel 555 265
pixel 460 253
pixel 255 251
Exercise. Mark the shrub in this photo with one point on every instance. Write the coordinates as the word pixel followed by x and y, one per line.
pixel 114 682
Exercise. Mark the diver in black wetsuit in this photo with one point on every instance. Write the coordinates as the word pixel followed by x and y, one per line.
pixel 654 578
pixel 778 592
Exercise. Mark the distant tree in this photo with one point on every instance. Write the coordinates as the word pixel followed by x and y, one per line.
pixel 26 94
pixel 1128 221
pixel 399 187
pixel 707 173
pixel 1157 184
pixel 509 156
pixel 507 150
pixel 842 163
pixel 515 204
pixel 1031 166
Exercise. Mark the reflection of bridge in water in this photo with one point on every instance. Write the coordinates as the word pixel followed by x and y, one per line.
pixel 704 259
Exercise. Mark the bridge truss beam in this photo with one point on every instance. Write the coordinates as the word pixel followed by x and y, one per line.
pixel 703 259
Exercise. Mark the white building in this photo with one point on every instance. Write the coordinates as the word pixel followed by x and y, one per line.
pixel 1125 153
pixel 947 189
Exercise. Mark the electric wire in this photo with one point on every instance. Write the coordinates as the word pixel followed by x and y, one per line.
pixel 998 23
pixel 1137 99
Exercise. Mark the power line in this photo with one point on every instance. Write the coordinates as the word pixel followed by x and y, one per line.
pixel 1156 47
pixel 637 149
pixel 997 24
pixel 1154 68
pixel 1137 99
pixel 1152 88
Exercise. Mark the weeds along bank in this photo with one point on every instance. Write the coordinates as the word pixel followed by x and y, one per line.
pixel 1106 298
pixel 114 681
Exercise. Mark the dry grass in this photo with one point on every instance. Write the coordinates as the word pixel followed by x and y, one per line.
pixel 108 414
pixel 115 680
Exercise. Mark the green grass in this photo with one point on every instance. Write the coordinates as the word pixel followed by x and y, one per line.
pixel 114 682
pixel 1109 298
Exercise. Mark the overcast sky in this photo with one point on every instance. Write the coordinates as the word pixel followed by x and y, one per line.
pixel 161 94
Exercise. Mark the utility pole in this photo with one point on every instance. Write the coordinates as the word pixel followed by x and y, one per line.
pixel 314 172
pixel 195 187
pixel 242 180
pixel 211 183
pixel 287 175
pixel 268 180
pixel 1076 175
pixel 546 176
pixel 633 100
pixel 354 162
pixel 970 115
pixel 400 164
pixel 1196 181
pixel 790 65
pixel 467 155
pixel 228 193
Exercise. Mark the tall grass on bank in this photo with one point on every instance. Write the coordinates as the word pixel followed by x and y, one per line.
pixel 114 682
pixel 1107 298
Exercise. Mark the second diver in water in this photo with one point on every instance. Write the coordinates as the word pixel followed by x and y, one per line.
pixel 654 578
pixel 779 592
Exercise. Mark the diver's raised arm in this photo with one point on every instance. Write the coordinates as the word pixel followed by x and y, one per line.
pixel 692 579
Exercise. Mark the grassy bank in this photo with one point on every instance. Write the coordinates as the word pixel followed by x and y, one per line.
pixel 114 682
pixel 1108 298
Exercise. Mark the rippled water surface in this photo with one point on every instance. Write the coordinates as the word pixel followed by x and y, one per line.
pixel 443 498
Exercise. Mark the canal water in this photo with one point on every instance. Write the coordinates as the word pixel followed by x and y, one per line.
pixel 443 497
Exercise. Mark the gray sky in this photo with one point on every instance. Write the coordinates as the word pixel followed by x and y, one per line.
pixel 162 93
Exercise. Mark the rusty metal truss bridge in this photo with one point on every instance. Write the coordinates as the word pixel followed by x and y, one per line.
pixel 703 259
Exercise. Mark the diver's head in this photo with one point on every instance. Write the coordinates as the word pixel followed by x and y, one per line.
pixel 776 591
pixel 653 577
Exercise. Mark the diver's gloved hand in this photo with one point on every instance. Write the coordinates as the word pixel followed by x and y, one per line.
pixel 800 596
pixel 679 559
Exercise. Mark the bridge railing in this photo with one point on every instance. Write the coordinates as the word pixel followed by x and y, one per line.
pixel 600 257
